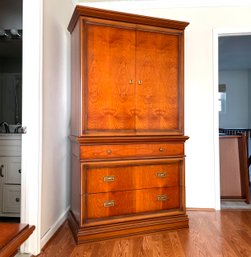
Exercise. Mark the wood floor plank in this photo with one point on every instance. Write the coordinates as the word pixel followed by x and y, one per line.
pixel 210 234
pixel 232 230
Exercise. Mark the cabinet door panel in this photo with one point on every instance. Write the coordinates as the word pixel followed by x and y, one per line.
pixel 11 196
pixel 157 88
pixel 13 170
pixel 110 82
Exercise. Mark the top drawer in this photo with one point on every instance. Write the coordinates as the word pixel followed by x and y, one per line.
pixel 131 150
pixel 10 145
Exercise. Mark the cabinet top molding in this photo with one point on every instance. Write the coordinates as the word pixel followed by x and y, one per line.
pixel 91 12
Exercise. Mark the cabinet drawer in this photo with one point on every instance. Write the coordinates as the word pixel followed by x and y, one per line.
pixel 129 177
pixel 11 198
pixel 130 150
pixel 131 202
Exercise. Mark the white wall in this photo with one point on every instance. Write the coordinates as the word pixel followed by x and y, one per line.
pixel 56 119
pixel 200 122
pixel 237 90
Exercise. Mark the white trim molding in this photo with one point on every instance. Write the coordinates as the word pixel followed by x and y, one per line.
pixel 220 32
pixel 32 118
pixel 53 229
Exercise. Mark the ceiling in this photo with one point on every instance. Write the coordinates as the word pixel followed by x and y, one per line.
pixel 235 52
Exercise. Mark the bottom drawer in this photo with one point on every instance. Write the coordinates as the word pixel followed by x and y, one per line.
pixel 130 202
pixel 11 198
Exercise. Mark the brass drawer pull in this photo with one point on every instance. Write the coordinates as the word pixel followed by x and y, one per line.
pixel 162 149
pixel 109 178
pixel 162 197
pixel 110 203
pixel 109 151
pixel 161 174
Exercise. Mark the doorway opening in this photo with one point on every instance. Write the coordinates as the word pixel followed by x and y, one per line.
pixel 234 109
pixel 10 109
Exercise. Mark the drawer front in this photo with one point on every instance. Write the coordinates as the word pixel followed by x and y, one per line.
pixel 104 205
pixel 129 177
pixel 11 196
pixel 131 150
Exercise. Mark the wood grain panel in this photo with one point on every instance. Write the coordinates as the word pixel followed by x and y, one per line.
pixel 131 150
pixel 158 97
pixel 129 202
pixel 111 72
pixel 114 178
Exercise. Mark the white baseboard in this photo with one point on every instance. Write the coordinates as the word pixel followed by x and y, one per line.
pixel 54 227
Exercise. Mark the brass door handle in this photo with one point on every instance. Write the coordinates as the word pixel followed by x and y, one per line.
pixel 110 203
pixel 109 178
pixel 162 197
pixel 161 174
pixel 1 171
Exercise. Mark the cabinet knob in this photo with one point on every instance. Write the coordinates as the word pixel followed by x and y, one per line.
pixel 131 81
pixel 109 151
pixel 17 199
pixel 19 171
pixel 1 171
pixel 140 82
pixel 162 149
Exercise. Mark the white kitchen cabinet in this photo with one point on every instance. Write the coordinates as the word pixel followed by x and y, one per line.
pixel 10 175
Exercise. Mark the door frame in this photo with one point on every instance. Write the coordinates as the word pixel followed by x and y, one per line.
pixel 31 178
pixel 220 32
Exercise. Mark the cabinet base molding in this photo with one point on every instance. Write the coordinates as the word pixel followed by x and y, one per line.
pixel 125 229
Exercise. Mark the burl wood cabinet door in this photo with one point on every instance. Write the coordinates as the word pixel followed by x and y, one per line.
pixel 110 82
pixel 157 82
pixel 133 81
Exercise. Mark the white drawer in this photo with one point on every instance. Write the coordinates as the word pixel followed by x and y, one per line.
pixel 10 145
pixel 11 198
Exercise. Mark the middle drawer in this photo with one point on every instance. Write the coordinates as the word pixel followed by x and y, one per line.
pixel 129 177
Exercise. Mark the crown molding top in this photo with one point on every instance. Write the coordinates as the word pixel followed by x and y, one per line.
pixel 155 4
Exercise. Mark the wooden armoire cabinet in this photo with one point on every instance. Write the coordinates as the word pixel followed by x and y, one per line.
pixel 127 124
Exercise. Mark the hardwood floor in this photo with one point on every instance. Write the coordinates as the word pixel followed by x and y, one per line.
pixel 211 234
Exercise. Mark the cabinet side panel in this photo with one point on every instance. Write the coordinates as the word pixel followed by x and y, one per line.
pixel 76 82
pixel 75 187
